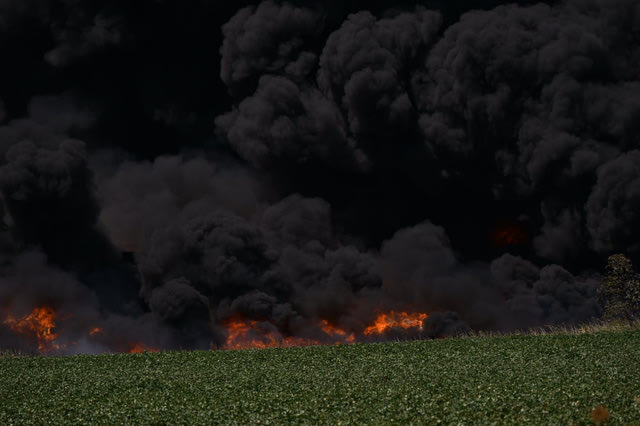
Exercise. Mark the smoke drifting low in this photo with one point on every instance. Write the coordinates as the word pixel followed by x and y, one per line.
pixel 309 173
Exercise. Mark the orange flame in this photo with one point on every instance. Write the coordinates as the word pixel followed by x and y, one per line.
pixel 39 324
pixel 95 330
pixel 509 234
pixel 337 333
pixel 392 319
pixel 250 334
pixel 138 348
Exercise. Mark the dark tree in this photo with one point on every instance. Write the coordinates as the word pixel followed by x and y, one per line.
pixel 619 291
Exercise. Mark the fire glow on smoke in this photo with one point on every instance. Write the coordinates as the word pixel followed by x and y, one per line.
pixel 391 320
pixel 39 327
pixel 251 334
pixel 509 233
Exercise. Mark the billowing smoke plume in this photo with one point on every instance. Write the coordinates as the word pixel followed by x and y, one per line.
pixel 288 270
pixel 77 28
pixel 269 38
pixel 307 170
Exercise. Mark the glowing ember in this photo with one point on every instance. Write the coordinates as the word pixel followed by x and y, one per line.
pixel 39 324
pixel 509 234
pixel 337 333
pixel 95 331
pixel 138 348
pixel 390 320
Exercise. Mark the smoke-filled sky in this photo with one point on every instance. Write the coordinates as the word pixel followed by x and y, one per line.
pixel 167 168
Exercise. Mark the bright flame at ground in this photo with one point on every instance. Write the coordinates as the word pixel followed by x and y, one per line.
pixel 138 348
pixel 389 320
pixel 39 324
pixel 337 333
pixel 40 327
pixel 250 334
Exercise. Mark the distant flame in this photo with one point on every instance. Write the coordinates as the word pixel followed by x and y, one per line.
pixel 138 348
pixel 337 333
pixel 390 320
pixel 250 334
pixel 39 324
pixel 509 234
pixel 95 331
pixel 40 327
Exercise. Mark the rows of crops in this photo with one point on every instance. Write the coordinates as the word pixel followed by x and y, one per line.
pixel 556 379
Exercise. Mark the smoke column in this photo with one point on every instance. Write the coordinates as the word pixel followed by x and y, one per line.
pixel 288 173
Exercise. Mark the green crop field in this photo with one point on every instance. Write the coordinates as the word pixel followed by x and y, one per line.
pixel 545 379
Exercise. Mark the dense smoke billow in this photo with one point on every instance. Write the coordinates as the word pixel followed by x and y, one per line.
pixel 166 168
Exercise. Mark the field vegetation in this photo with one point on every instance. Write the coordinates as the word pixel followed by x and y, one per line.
pixel 586 375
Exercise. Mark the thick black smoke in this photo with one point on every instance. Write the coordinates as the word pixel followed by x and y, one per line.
pixel 287 269
pixel 166 170
pixel 77 28
pixel 547 95
pixel 268 38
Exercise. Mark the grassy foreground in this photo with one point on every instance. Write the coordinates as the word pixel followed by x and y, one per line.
pixel 546 379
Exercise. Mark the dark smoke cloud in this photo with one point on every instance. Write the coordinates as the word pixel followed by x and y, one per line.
pixel 49 203
pixel 51 120
pixel 78 28
pixel 268 39
pixel 218 256
pixel 283 271
pixel 546 93
pixel 332 161
pixel 138 197
pixel 40 187
pixel 329 279
pixel 81 35
pixel 218 253
pixel 548 295
pixel 561 236
pixel 365 67
pixel 29 281
pixel 24 284
pixel 178 304
pixel 612 207
pixel 362 90
pixel 285 123
pixel 443 324
pixel 297 221
pixel 419 266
